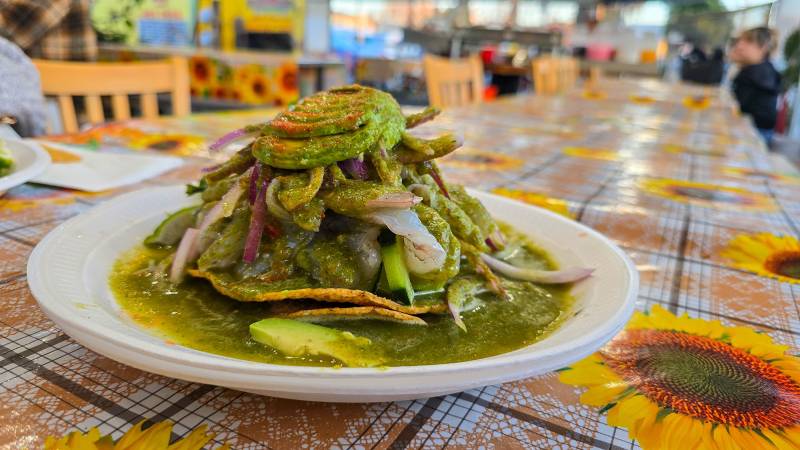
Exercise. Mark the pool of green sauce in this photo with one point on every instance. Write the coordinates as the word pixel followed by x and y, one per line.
pixel 194 315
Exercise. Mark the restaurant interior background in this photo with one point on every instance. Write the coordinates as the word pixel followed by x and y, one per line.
pixel 302 46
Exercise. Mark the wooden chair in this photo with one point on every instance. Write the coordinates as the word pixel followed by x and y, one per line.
pixel 568 72
pixel 65 80
pixel 453 82
pixel 595 76
pixel 545 75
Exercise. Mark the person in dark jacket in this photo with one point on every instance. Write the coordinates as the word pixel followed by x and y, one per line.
pixel 757 84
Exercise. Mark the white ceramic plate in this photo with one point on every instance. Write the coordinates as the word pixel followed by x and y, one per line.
pixel 29 161
pixel 69 269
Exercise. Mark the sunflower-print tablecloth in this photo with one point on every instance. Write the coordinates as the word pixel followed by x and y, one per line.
pixel 668 171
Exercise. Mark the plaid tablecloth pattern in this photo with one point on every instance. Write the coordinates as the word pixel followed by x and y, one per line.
pixel 49 384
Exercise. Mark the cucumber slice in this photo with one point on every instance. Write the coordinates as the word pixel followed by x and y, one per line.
pixel 171 230
pixel 6 158
pixel 398 282
pixel 295 338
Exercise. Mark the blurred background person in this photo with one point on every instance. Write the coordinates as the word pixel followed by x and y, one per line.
pixel 697 68
pixel 758 84
pixel 21 100
pixel 50 29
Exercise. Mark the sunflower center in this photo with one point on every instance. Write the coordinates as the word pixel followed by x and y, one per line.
pixel 786 263
pixel 258 87
pixel 705 378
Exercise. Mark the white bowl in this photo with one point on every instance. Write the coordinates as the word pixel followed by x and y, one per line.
pixel 30 160
pixel 69 269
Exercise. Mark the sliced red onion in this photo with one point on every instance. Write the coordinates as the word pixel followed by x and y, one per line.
pixel 230 138
pixel 231 198
pixel 183 255
pixel 210 168
pixel 355 167
pixel 394 200
pixel 568 275
pixel 439 183
pixel 496 241
pixel 213 215
pixel 273 204
pixel 253 188
pixel 258 215
pixel 219 211
pixel 455 311
pixel 421 251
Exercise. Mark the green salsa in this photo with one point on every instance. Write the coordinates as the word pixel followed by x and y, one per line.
pixel 196 316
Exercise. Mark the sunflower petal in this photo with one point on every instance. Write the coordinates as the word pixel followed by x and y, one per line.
pixel 779 441
pixel 603 394
pixel 588 375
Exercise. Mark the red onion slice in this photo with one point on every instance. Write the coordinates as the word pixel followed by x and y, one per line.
pixel 253 188
pixel 568 275
pixel 231 198
pixel 210 168
pixel 258 215
pixel 183 255
pixel 421 251
pixel 496 241
pixel 439 183
pixel 355 167
pixel 230 138
pixel 455 311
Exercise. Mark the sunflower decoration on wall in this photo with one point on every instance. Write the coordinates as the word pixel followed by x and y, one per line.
pixel 473 158
pixel 602 154
pixel 697 102
pixel 677 382
pixel 707 195
pixel 154 438
pixel 177 144
pixel 202 76
pixel 556 205
pixel 252 85
pixel 286 83
pixel 767 255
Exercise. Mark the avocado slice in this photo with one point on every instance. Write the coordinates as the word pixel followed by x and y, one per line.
pixel 398 281
pixel 170 231
pixel 295 338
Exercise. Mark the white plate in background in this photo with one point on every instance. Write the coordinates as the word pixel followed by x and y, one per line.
pixel 29 161
pixel 93 171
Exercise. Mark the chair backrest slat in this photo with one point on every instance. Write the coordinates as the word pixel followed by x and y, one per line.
pixel 94 108
pixel 120 106
pixel 149 106
pixel 68 117
pixel 453 82
pixel 553 74
pixel 545 75
pixel 92 81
